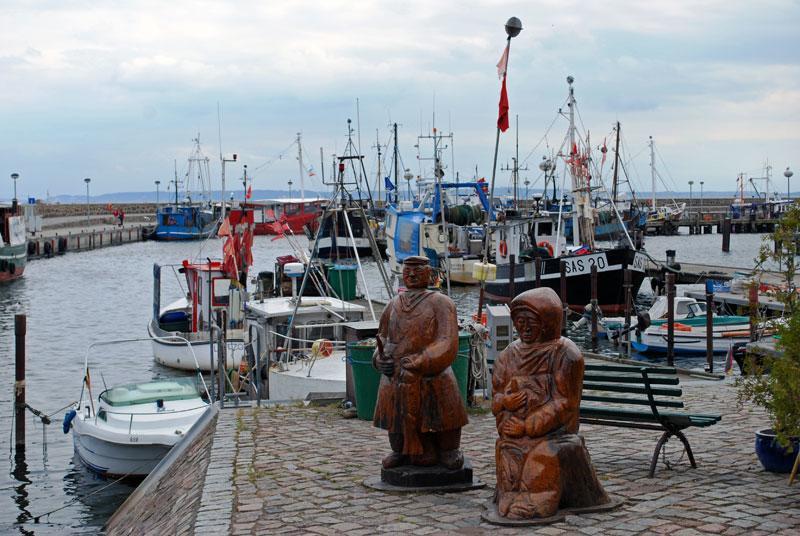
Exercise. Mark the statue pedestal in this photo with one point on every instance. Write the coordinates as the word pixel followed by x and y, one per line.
pixel 490 515
pixel 414 478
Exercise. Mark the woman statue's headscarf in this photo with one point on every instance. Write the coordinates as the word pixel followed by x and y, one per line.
pixel 546 305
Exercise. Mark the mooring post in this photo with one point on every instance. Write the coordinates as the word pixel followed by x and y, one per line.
pixel 20 328
pixel 670 319
pixel 627 285
pixel 752 296
pixel 726 235
pixel 709 326
pixel 512 268
pixel 594 307
pixel 537 264
pixel 564 304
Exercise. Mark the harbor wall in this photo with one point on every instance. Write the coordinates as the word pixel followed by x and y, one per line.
pixel 167 501
pixel 49 244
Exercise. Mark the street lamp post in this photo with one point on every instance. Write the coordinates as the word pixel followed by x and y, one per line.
pixel 290 189
pixel 157 184
pixel 87 180
pixel 691 183
pixel 788 174
pixel 15 176
pixel 701 196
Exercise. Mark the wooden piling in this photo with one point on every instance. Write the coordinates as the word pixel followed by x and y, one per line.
pixel 709 327
pixel 670 319
pixel 20 329
pixel 726 235
pixel 594 308
pixel 752 298
pixel 627 285
pixel 564 304
pixel 537 263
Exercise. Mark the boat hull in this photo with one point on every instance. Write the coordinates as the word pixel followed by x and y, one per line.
pixel 610 264
pixel 12 262
pixel 177 354
pixel 328 375
pixel 115 458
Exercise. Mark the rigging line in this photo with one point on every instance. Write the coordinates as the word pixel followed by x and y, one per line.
pixel 543 138
pixel 661 159
pixel 276 156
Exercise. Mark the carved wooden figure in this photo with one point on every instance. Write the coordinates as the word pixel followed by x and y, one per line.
pixel 542 463
pixel 418 399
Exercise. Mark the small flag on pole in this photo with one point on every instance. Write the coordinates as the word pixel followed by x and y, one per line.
pixel 729 360
pixel 502 68
pixel 249 193
pixel 388 183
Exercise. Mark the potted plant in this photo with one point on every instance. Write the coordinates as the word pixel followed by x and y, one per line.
pixel 773 382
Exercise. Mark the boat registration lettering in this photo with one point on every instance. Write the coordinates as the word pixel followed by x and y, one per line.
pixel 583 264
pixel 133 439
pixel 639 262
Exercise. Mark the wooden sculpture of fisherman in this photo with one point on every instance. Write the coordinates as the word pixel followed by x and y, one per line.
pixel 542 463
pixel 418 399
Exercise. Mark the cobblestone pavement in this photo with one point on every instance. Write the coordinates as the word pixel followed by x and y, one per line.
pixel 300 470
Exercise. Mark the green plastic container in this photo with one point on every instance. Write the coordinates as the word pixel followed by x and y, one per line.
pixel 365 378
pixel 342 278
pixel 461 364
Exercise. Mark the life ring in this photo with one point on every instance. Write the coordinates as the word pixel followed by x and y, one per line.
pixel 546 245
pixel 503 249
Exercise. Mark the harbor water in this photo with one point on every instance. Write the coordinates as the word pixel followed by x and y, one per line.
pixel 76 299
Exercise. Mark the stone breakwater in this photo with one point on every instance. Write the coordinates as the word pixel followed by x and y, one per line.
pixel 57 210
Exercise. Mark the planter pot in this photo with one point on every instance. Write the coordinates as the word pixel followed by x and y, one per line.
pixel 774 457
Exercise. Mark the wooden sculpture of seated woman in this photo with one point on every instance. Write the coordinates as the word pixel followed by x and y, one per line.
pixel 542 463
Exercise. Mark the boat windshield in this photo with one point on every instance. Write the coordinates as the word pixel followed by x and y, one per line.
pixel 145 393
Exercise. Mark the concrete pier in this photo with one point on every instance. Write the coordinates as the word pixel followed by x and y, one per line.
pixel 300 470
pixel 65 240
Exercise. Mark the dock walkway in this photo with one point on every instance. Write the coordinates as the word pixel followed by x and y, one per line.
pixel 294 470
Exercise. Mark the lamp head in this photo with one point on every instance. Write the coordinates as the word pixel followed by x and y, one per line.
pixel 15 176
pixel 513 27
pixel 87 180
pixel 788 173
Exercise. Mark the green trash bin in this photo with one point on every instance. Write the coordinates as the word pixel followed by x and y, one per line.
pixel 365 378
pixel 342 278
pixel 461 364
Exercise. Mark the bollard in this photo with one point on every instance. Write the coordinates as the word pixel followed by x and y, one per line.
pixel 709 327
pixel 20 329
pixel 628 301
pixel 537 263
pixel 512 268
pixel 670 319
pixel 594 308
pixel 726 235
pixel 564 305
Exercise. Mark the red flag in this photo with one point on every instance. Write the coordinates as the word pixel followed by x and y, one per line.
pixel 502 118
pixel 247 242
pixel 249 193
pixel 604 150
pixel 225 228
pixel 502 65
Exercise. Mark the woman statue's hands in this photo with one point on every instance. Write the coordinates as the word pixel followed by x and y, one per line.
pixel 515 401
pixel 513 427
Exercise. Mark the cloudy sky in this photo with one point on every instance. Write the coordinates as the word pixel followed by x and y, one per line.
pixel 116 91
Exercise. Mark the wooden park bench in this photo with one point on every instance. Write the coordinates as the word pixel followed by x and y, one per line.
pixel 631 397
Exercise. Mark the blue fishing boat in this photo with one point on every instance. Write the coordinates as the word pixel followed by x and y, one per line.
pixel 189 220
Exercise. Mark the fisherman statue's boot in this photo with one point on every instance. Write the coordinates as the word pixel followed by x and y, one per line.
pixel 396 458
pixel 450 455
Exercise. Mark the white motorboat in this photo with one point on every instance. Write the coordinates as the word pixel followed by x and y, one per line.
pixel 129 428
pixel 689 335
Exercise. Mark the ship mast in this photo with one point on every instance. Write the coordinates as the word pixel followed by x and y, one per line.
pixel 653 170
pixel 302 170
pixel 616 168
pixel 396 163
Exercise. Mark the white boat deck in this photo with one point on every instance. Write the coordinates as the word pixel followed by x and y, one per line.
pixel 284 307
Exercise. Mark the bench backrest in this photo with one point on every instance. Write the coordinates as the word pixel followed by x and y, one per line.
pixel 632 385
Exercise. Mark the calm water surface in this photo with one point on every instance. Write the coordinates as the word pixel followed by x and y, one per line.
pixel 77 299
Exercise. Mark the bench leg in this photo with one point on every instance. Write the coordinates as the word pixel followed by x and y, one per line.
pixel 685 442
pixel 664 438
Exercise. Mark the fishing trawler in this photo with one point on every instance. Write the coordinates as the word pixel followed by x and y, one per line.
pixel 192 219
pixel 13 252
pixel 583 255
